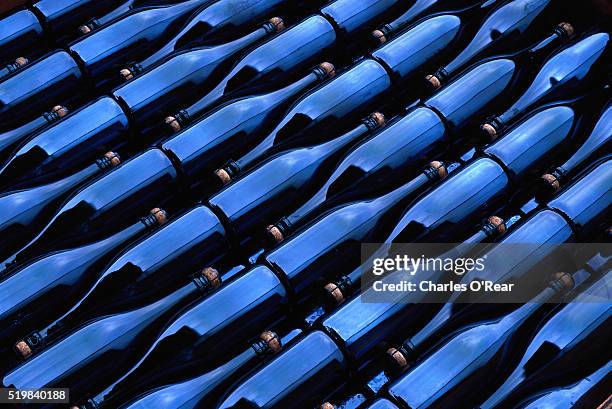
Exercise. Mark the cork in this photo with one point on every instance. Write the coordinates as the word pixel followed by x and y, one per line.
pixel 568 28
pixel 126 74
pixel 397 357
pixel 23 349
pixel 439 166
pixel 433 81
pixel 160 215
pixel 212 275
pixel 114 158
pixel 329 69
pixel 272 341
pixel 21 61
pixel 490 130
pixel 566 280
pixel 327 405
pixel 84 29
pixel 223 176
pixel 173 123
pixel 498 223
pixel 275 232
pixel 335 292
pixel 278 23
pixel 379 118
pixel 379 36
pixel 551 181
pixel 61 111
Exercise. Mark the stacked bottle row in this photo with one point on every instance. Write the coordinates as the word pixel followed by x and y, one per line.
pixel 271 190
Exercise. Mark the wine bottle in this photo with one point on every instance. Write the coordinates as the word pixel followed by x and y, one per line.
pixel 338 291
pixel 279 183
pixel 400 149
pixel 20 34
pixel 419 8
pixel 199 332
pixel 10 139
pixel 213 20
pixel 14 66
pixel 67 145
pixel 564 73
pixel 48 284
pixel 484 347
pixel 201 390
pixel 119 196
pixel 503 29
pixel 147 267
pixel 201 148
pixel 302 375
pixel 596 142
pixel 586 393
pixel 177 79
pixel 102 348
pixel 356 90
pixel 275 60
pixel 569 346
pixel 332 241
pixel 24 211
pixel 30 90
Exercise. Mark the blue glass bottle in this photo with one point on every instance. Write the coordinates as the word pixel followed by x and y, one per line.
pixel 24 211
pixel 10 139
pixel 569 346
pixel 198 391
pixel 217 19
pixel 274 61
pixel 177 79
pixel 202 147
pixel 67 145
pixel 47 285
pixel 21 98
pixel 149 266
pixel 118 196
pixel 445 377
pixel 302 375
pixel 257 198
pixel 502 29
pixel 597 142
pixel 102 348
pixel 563 74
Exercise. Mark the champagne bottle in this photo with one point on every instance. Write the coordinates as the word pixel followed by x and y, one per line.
pixel 280 182
pixel 339 290
pixel 24 211
pixel 356 90
pixel 119 196
pixel 302 375
pixel 201 390
pixel 597 141
pixel 569 346
pixel 400 149
pixel 276 60
pixel 486 347
pixel 67 145
pixel 387 31
pixel 147 267
pixel 175 80
pixel 13 67
pixel 203 146
pixel 564 73
pixel 102 348
pixel 10 139
pixel 503 29
pixel 29 91
pixel 586 393
pixel 213 20
pixel 20 34
pixel 47 285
